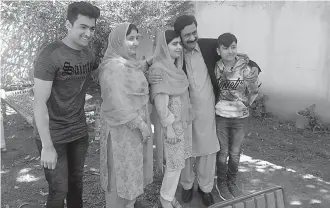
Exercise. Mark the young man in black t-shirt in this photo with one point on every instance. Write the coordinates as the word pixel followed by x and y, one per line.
pixel 62 70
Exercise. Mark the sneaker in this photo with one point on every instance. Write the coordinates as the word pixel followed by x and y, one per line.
pixel 233 188
pixel 223 191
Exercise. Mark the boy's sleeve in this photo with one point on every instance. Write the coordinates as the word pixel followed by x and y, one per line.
pixel 253 64
pixel 251 80
pixel 44 65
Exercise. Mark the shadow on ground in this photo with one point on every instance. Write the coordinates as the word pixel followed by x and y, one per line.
pixel 300 189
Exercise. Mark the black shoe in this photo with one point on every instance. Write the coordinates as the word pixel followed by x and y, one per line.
pixel 138 204
pixel 233 188
pixel 187 195
pixel 223 191
pixel 207 198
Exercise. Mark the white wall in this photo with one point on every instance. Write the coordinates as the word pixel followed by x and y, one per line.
pixel 288 40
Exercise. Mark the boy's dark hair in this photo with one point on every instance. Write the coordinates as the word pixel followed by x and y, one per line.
pixel 130 28
pixel 226 39
pixel 183 21
pixel 170 35
pixel 82 8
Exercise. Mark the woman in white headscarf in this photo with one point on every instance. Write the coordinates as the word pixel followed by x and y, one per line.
pixel 171 99
pixel 126 155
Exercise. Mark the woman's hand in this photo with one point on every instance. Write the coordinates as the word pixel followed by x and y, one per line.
pixel 149 61
pixel 145 131
pixel 171 137
pixel 145 136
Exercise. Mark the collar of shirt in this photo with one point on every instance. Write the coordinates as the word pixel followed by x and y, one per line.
pixel 197 49
pixel 221 65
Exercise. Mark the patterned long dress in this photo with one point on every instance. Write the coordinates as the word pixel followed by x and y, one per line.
pixel 131 160
pixel 175 154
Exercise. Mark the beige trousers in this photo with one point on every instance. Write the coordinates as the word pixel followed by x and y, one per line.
pixel 205 166
pixel 170 184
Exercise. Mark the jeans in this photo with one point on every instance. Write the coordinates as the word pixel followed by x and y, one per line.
pixel 231 132
pixel 66 180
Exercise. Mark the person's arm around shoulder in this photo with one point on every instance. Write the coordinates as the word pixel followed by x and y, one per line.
pixel 251 63
pixel 146 63
pixel 153 76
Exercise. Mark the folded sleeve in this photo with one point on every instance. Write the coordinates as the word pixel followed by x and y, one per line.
pixel 45 67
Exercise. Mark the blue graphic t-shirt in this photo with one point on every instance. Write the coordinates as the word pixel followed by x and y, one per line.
pixel 69 70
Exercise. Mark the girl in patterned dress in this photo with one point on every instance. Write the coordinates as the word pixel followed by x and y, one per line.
pixel 171 99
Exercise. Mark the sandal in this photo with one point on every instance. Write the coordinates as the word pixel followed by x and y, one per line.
pixel 160 205
pixel 175 203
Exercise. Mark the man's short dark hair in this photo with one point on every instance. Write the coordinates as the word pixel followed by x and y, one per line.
pixel 82 8
pixel 226 39
pixel 183 21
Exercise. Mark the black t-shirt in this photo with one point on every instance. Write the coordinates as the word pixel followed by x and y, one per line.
pixel 70 71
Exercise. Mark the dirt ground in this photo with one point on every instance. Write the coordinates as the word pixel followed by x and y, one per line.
pixel 274 153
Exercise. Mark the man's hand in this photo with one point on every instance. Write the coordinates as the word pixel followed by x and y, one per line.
pixel 48 157
pixel 154 78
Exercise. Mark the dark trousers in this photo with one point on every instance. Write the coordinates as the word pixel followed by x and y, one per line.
pixel 231 132
pixel 66 180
